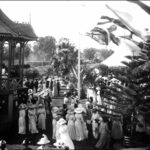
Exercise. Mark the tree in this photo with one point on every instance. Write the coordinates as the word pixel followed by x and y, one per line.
pixel 65 60
pixel 27 51
pixel 45 48
pixel 89 53
pixel 31 73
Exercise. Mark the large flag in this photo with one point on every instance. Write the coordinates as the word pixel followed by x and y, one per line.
pixel 145 7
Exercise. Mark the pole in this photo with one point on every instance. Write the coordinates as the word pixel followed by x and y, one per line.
pixel 79 69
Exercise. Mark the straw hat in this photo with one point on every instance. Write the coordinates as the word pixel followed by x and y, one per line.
pixel 81 106
pixel 30 92
pixel 55 109
pixel 87 103
pixel 43 141
pixel 41 105
pixel 78 110
pixel 62 121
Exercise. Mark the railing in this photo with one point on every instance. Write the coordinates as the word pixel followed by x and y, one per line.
pixel 10 83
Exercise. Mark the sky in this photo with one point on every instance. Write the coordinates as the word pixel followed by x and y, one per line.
pixel 72 19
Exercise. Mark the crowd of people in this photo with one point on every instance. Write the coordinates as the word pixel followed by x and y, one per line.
pixel 72 122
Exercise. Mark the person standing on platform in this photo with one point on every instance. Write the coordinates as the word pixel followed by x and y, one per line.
pixel 58 87
pixel 21 122
pixel 49 117
pixel 104 138
pixel 54 92
pixel 70 117
pixel 79 124
pixel 64 135
pixel 51 85
pixel 32 119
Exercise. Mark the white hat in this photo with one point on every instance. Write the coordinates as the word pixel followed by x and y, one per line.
pixel 2 142
pixel 30 91
pixel 81 106
pixel 55 109
pixel 44 140
pixel 41 105
pixel 78 110
pixel 61 121
pixel 87 103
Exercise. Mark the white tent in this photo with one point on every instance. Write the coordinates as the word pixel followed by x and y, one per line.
pixel 126 48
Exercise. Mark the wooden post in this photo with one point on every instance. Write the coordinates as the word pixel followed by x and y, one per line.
pixel 22 63
pixel 20 59
pixel 10 106
pixel 13 52
pixel 9 63
pixel 1 61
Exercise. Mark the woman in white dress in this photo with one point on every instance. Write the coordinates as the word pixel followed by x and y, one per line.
pixel 55 91
pixel 54 122
pixel 64 135
pixel 99 100
pixel 32 119
pixel 70 117
pixel 79 122
pixel 95 123
pixel 41 117
pixel 21 121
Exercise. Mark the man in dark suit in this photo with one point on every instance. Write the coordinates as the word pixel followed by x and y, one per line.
pixel 58 87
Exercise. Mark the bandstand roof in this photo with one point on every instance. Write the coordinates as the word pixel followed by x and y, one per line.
pixel 11 29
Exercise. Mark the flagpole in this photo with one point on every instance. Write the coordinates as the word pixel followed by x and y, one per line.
pixel 79 63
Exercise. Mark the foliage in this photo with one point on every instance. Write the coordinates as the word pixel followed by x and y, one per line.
pixel 65 60
pixel 89 53
pixel 27 51
pixel 31 73
pixel 45 48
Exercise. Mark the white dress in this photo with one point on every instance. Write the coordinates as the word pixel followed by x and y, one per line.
pixel 54 122
pixel 71 126
pixel 79 122
pixel 64 137
pixel 41 118
pixel 99 100
pixel 21 122
pixel 32 121
pixel 55 91
pixel 95 127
